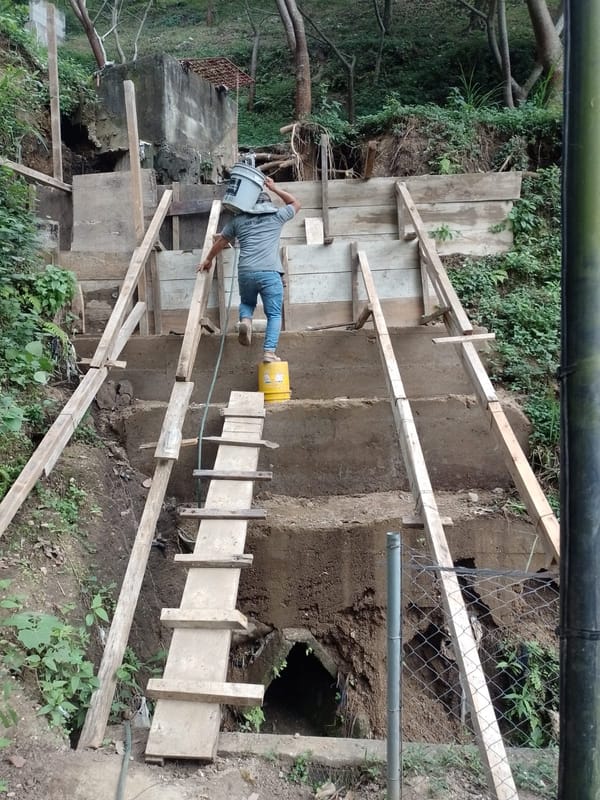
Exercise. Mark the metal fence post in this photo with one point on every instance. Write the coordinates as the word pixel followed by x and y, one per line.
pixel 394 663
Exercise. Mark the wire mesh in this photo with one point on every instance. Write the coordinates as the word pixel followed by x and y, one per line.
pixel 512 618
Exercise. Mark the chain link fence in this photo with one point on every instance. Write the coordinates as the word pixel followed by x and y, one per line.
pixel 513 617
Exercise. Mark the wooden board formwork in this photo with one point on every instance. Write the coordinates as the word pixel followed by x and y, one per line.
pixel 102 217
pixel 183 729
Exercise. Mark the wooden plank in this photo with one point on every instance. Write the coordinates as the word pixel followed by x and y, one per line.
pixel 314 230
pixel 233 694
pixel 476 187
pixel 417 522
pixel 175 229
pixel 183 208
pixel 136 266
pixel 96 719
pixel 127 328
pixel 156 299
pixel 286 316
pixel 185 730
pixel 209 618
pixel 472 337
pixel 237 561
pixel 111 364
pixel 389 254
pixel 241 442
pixel 355 280
pixel 370 159
pixel 133 142
pixel 538 507
pixel 363 317
pixel 489 738
pixel 35 175
pixel 137 196
pixel 170 437
pixel 51 446
pixel 435 268
pixel 223 321
pixel 233 413
pixel 193 329
pixel 232 475
pixel 222 513
pixel 53 86
pixel 327 237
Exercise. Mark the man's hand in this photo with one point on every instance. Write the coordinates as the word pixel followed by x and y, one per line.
pixel 269 184
pixel 205 265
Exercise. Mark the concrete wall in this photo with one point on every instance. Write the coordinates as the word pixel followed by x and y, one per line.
pixel 188 124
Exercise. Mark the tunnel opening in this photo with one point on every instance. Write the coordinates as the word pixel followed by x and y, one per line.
pixel 302 698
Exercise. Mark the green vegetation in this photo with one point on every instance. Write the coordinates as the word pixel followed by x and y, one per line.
pixel 253 719
pixel 533 672
pixel 517 296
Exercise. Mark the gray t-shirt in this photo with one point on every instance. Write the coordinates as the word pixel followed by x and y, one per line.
pixel 258 237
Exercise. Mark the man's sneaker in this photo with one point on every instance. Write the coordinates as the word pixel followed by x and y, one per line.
pixel 245 332
pixel 269 356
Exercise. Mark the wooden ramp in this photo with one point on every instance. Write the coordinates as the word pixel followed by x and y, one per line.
pixel 187 716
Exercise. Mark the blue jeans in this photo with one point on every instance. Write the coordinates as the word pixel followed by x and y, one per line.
pixel 269 285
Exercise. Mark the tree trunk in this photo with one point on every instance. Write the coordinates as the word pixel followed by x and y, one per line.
pixel 253 61
pixel 549 47
pixel 387 14
pixel 382 32
pixel 505 55
pixel 291 16
pixel 83 16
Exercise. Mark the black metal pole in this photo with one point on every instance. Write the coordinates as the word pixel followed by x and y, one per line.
pixel 579 761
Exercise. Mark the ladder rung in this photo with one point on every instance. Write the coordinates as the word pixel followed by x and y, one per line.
pixel 235 694
pixel 241 442
pixel 417 522
pixel 232 412
pixel 232 475
pixel 220 513
pixel 215 562
pixel 214 618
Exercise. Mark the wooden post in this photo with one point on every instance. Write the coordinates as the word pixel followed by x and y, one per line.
pixel 175 234
pixel 57 165
pixel 370 159
pixel 327 237
pixel 193 328
pixel 137 196
pixel 354 272
pixel 156 295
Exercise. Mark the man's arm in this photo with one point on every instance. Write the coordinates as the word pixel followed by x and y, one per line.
pixel 218 246
pixel 287 198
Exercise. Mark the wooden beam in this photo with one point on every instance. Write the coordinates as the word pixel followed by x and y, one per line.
pixel 472 337
pixel 127 328
pixel 327 237
pixel 111 364
pixel 355 276
pixel 286 321
pixel 435 314
pixel 221 513
pixel 130 281
pixel 39 177
pixel 228 440
pixel 370 159
pixel 94 726
pixel 233 413
pixel 417 522
pixel 175 233
pixel 208 618
pixel 137 196
pixel 169 440
pixel 483 716
pixel 193 329
pixel 435 268
pixel 192 560
pixel 363 317
pixel 156 294
pixel 53 85
pixel 232 475
pixel 233 694
pixel 536 503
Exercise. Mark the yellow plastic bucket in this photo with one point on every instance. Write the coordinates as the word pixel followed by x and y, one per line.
pixel 274 381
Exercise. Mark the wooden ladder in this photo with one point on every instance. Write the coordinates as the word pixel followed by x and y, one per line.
pixel 187 716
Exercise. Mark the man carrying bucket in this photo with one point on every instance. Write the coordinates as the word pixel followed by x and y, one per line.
pixel 260 272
